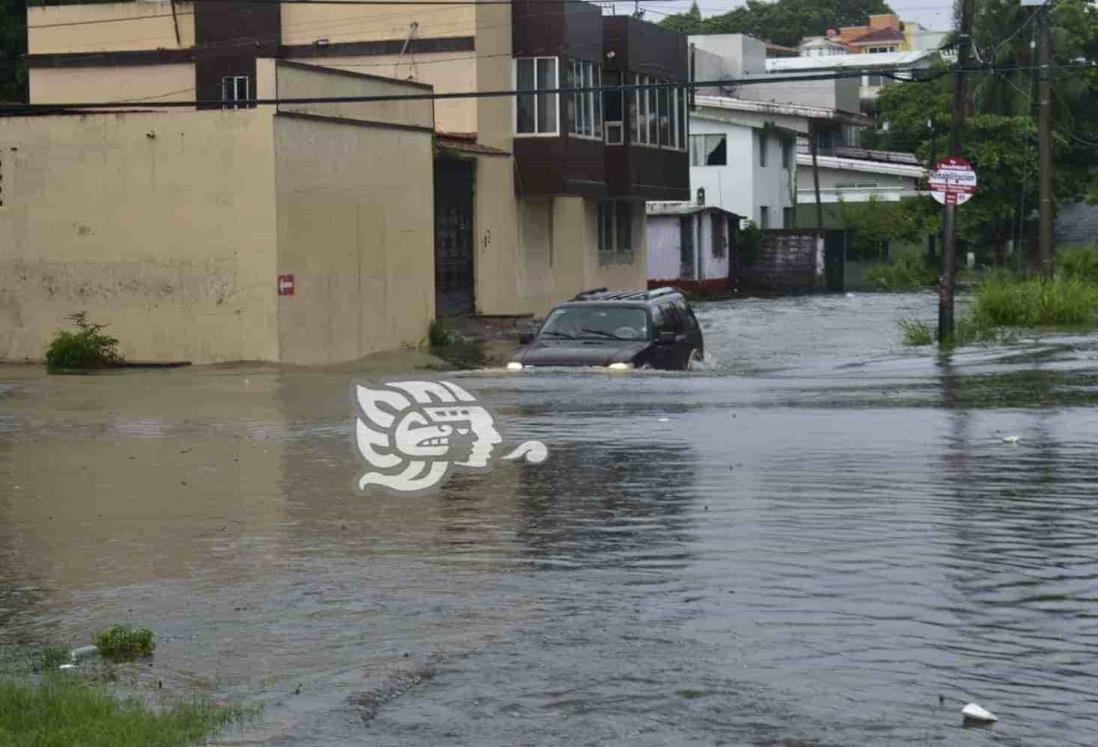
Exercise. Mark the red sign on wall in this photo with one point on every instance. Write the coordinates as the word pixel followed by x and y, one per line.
pixel 285 285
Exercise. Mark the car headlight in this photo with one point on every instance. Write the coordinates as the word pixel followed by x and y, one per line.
pixel 620 366
pixel 514 366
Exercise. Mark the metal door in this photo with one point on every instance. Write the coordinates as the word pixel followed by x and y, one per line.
pixel 454 278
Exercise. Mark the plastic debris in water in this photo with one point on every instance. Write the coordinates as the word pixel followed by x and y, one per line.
pixel 662 420
pixel 1011 439
pixel 67 667
pixel 84 651
pixel 973 712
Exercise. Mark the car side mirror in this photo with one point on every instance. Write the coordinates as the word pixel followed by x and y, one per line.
pixel 526 338
pixel 667 338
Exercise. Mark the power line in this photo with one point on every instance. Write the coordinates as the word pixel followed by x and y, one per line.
pixel 507 93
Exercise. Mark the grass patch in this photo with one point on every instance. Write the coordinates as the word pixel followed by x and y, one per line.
pixel 61 710
pixel 906 272
pixel 1078 263
pixel 439 335
pixel 916 332
pixel 86 348
pixel 121 642
pixel 1007 302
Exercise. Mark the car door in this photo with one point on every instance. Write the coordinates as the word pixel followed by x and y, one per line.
pixel 675 355
pixel 691 327
pixel 664 320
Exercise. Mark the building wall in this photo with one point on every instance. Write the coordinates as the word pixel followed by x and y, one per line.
pixel 161 225
pixel 838 184
pixel 356 229
pixel 171 82
pixel 729 187
pixel 109 26
pixel 663 247
pixel 773 183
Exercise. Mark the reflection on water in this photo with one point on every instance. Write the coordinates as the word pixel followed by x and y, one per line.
pixel 813 539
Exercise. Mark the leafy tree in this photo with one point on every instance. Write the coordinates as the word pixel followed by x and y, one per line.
pixel 782 22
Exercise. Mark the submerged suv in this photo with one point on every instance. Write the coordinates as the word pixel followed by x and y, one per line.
pixel 618 330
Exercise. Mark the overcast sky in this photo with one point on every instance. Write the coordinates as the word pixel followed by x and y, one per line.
pixel 936 15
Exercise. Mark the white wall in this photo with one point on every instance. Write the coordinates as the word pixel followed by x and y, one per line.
pixel 663 247
pixel 885 187
pixel 743 186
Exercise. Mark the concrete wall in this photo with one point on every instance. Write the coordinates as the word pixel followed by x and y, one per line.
pixel 886 187
pixel 356 229
pixel 85 85
pixel 159 225
pixel 109 26
pixel 788 261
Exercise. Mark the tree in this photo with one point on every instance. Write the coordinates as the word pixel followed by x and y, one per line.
pixel 782 22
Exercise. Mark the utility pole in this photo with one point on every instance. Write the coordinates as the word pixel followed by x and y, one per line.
pixel 949 245
pixel 1044 141
pixel 814 145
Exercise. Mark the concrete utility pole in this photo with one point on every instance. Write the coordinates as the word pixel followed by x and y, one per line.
pixel 1044 141
pixel 949 245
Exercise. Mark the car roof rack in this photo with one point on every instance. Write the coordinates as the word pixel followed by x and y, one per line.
pixel 602 294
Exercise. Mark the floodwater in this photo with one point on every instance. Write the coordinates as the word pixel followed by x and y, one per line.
pixel 820 539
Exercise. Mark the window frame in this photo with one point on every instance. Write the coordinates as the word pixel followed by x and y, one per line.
pixel 586 107
pixel 702 136
pixel 615 238
pixel 515 100
pixel 234 103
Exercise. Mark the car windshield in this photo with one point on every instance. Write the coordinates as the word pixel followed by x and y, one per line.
pixel 596 322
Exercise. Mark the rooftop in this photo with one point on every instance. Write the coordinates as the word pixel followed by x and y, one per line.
pixel 863 165
pixel 879 35
pixel 789 110
pixel 684 208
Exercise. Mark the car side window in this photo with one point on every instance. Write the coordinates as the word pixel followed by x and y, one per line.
pixel 686 313
pixel 671 322
pixel 657 319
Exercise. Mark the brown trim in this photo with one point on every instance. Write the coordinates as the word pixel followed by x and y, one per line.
pixel 111 59
pixel 349 73
pixel 355 122
pixel 381 47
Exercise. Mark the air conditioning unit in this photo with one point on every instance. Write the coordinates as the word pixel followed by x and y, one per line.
pixel 615 133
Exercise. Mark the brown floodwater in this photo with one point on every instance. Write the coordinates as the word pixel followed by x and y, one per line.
pixel 822 536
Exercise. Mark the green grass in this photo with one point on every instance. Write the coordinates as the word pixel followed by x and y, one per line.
pixel 63 710
pixel 439 336
pixel 122 642
pixel 916 332
pixel 1078 263
pixel 906 272
pixel 1008 302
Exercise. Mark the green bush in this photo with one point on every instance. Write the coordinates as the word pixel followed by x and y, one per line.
pixel 1077 263
pixel 916 332
pixel 439 336
pixel 62 709
pixel 123 642
pixel 1006 302
pixel 906 272
pixel 86 348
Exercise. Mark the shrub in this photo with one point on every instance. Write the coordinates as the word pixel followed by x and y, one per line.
pixel 906 272
pixel 916 332
pixel 122 642
pixel 1006 302
pixel 86 348
pixel 1078 263
pixel 438 335
pixel 51 657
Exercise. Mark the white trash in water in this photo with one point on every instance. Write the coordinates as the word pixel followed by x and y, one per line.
pixel 976 713
pixel 1011 439
pixel 84 651
pixel 67 667
pixel 662 420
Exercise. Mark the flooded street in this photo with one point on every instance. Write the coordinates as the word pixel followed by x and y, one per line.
pixel 821 536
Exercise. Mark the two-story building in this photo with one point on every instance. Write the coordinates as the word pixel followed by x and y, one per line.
pixel 534 196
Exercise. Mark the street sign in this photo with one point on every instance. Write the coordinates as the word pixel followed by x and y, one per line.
pixel 953 181
pixel 285 285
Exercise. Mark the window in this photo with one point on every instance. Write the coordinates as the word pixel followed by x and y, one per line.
pixel 717 234
pixel 787 154
pixel 764 145
pixel 613 104
pixel 686 314
pixel 586 107
pixel 764 217
pixel 658 115
pixel 664 98
pixel 645 130
pixel 670 316
pixel 234 88
pixel 708 150
pixel 787 218
pixel 615 230
pixel 684 121
pixel 536 113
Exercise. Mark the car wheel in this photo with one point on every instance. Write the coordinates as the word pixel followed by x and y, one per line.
pixel 695 361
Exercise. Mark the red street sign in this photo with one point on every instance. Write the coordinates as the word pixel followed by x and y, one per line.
pixel 285 285
pixel 952 181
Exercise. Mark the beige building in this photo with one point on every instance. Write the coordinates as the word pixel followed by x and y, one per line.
pixel 174 227
pixel 534 198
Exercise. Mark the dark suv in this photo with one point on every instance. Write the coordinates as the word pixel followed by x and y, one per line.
pixel 618 330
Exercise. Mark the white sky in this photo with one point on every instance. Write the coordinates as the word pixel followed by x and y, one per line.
pixel 936 15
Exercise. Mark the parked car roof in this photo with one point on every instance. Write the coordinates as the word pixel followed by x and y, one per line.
pixel 642 296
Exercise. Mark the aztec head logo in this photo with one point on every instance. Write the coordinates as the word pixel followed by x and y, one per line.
pixel 411 433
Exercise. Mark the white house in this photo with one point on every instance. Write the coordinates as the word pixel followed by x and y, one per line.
pixel 876 69
pixel 690 246
pixel 859 175
pixel 743 154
